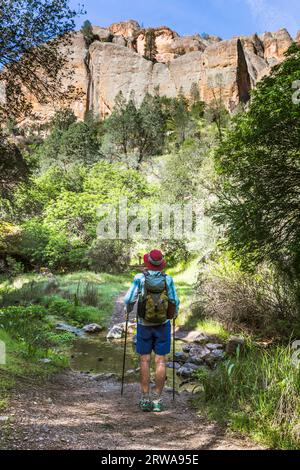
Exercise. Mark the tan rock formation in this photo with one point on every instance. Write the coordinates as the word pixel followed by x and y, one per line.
pixel 76 76
pixel 275 45
pixel 125 28
pixel 225 70
pixel 225 74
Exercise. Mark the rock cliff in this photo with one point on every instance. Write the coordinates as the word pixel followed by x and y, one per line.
pixel 114 62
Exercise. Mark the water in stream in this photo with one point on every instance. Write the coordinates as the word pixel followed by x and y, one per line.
pixel 96 354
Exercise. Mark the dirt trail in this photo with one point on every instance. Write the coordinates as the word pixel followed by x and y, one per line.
pixel 72 411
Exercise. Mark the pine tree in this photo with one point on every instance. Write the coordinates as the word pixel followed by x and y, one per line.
pixel 87 31
pixel 150 50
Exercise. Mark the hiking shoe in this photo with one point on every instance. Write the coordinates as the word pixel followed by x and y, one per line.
pixel 157 406
pixel 145 405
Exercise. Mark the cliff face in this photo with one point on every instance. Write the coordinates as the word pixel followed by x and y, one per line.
pixel 114 62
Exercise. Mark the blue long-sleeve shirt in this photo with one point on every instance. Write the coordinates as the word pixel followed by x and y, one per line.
pixel 138 285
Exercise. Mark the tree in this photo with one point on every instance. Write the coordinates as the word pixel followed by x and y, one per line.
pixel 179 120
pixel 194 93
pixel 216 112
pixel 137 132
pixel 150 49
pixel 13 168
pixel 69 143
pixel 87 31
pixel 120 126
pixel 34 39
pixel 259 168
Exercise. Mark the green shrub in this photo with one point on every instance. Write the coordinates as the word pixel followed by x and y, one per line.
pixel 261 303
pixel 109 256
pixel 27 325
pixel 257 393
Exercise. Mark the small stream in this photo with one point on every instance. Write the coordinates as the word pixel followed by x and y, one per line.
pixel 95 354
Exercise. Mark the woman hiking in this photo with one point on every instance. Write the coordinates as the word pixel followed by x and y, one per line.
pixel 157 302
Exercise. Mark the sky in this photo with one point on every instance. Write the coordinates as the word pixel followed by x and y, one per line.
pixel 224 18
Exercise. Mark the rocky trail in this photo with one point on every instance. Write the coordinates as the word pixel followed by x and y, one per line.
pixel 75 411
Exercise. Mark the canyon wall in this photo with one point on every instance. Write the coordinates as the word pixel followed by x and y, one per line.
pixel 114 62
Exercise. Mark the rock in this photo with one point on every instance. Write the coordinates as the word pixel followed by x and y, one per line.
pixel 187 370
pixel 275 45
pixel 92 328
pixel 180 356
pixel 104 376
pixel 104 34
pixel 116 332
pixel 201 338
pixel 214 346
pixel 45 360
pixel 125 28
pixel 218 353
pixel 199 351
pixel 233 344
pixel 194 360
pixel 115 63
pixel 120 41
pixel 170 365
pixel 69 329
pixel 298 37
pixel 130 372
pixel 187 347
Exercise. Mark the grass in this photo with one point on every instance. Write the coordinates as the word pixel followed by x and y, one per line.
pixel 258 394
pixel 30 305
pixel 22 368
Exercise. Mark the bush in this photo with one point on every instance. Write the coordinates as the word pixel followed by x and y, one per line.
pixel 27 325
pixel 109 256
pixel 260 303
pixel 258 393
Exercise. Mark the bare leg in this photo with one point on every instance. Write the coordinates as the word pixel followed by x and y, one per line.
pixel 145 373
pixel 160 374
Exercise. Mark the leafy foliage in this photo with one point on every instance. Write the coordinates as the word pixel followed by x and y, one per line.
pixel 258 164
pixel 32 33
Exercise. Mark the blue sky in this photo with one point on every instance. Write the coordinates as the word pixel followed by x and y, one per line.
pixel 225 18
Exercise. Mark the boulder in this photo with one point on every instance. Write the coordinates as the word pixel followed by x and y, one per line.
pixel 201 338
pixel 214 346
pixel 69 329
pixel 194 360
pixel 180 356
pixel 104 376
pixel 187 370
pixel 103 34
pixel 92 328
pixel 116 332
pixel 199 351
pixel 170 365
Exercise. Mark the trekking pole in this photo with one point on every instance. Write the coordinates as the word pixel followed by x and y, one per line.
pixel 173 359
pixel 125 344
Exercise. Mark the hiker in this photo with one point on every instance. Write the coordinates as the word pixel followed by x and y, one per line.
pixel 157 303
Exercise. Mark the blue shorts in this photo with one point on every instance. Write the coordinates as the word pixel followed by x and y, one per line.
pixel 153 338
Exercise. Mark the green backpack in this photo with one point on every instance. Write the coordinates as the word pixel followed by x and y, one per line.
pixel 153 305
